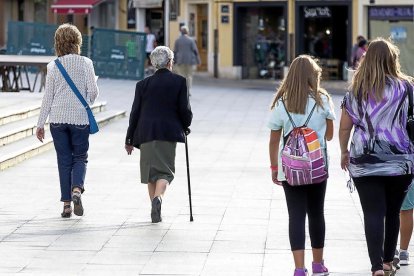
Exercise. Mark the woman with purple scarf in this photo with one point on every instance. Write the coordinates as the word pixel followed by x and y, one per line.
pixel 380 159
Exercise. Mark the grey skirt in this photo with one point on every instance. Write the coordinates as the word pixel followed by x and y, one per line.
pixel 157 161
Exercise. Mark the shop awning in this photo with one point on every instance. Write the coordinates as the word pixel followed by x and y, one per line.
pixel 74 6
pixel 147 4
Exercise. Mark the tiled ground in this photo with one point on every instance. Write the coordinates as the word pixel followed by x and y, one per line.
pixel 240 218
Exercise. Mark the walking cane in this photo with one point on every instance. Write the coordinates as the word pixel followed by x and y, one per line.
pixel 188 179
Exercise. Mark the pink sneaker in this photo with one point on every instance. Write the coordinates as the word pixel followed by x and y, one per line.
pixel 319 269
pixel 301 272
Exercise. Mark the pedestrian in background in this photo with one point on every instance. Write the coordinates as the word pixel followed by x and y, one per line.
pixel 160 117
pixel 151 43
pixel 186 56
pixel 355 49
pixel 69 123
pixel 360 52
pixel 299 94
pixel 380 160
pixel 406 228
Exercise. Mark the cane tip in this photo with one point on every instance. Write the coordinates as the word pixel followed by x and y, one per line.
pixel 191 219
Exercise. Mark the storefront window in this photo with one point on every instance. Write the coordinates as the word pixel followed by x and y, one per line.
pixel 395 22
pixel 105 14
pixel 261 39
pixel 324 32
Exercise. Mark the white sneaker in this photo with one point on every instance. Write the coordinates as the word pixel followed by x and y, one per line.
pixel 404 257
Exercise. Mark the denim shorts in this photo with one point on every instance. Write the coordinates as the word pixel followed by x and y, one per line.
pixel 408 203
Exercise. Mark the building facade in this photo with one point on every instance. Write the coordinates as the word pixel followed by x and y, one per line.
pixel 108 14
pixel 390 19
pixel 256 39
pixel 239 38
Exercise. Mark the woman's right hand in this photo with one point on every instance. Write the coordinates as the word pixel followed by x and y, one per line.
pixel 345 160
pixel 129 149
pixel 40 134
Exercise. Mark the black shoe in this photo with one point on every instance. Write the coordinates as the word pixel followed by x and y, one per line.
pixel 77 203
pixel 67 211
pixel 156 210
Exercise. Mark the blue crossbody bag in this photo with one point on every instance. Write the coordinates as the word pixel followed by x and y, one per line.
pixel 93 126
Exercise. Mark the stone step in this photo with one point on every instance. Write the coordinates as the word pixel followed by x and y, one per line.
pixel 15 131
pixel 28 147
pixel 26 110
pixel 17 113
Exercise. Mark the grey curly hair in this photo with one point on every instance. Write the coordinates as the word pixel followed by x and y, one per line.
pixel 160 57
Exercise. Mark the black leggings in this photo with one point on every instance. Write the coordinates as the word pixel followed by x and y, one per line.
pixel 302 200
pixel 381 198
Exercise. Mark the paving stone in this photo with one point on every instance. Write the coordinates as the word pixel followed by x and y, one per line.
pixel 240 222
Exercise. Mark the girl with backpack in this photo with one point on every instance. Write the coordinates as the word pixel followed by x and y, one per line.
pixel 380 160
pixel 302 107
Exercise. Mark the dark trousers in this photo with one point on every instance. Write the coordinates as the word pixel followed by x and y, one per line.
pixel 71 144
pixel 381 199
pixel 302 200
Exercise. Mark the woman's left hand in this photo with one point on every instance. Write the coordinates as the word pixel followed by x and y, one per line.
pixel 274 178
pixel 129 149
pixel 345 160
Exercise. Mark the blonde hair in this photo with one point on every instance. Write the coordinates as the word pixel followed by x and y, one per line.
pixel 303 79
pixel 68 40
pixel 381 61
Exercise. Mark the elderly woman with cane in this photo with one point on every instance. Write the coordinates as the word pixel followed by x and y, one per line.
pixel 160 117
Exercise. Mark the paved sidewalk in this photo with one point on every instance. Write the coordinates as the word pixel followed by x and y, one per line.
pixel 240 217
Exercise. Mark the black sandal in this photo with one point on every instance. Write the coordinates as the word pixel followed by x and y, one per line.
pixel 391 271
pixel 77 203
pixel 67 211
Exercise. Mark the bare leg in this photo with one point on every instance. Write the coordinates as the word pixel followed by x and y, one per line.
pixel 161 186
pixel 317 255
pixel 406 228
pixel 157 193
pixel 299 258
pixel 151 190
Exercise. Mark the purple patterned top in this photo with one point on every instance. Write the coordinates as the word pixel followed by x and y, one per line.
pixel 380 143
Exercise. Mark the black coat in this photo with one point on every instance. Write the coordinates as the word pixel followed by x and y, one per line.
pixel 161 109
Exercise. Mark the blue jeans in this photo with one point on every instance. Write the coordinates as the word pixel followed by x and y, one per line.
pixel 71 144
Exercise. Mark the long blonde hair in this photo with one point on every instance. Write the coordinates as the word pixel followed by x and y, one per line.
pixel 302 80
pixel 381 61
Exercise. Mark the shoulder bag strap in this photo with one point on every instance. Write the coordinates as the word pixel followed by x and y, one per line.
pixel 290 117
pixel 310 115
pixel 71 84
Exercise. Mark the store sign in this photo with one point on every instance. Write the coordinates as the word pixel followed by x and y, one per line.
pixel 316 12
pixel 225 9
pixel 392 13
pixel 147 4
pixel 399 34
